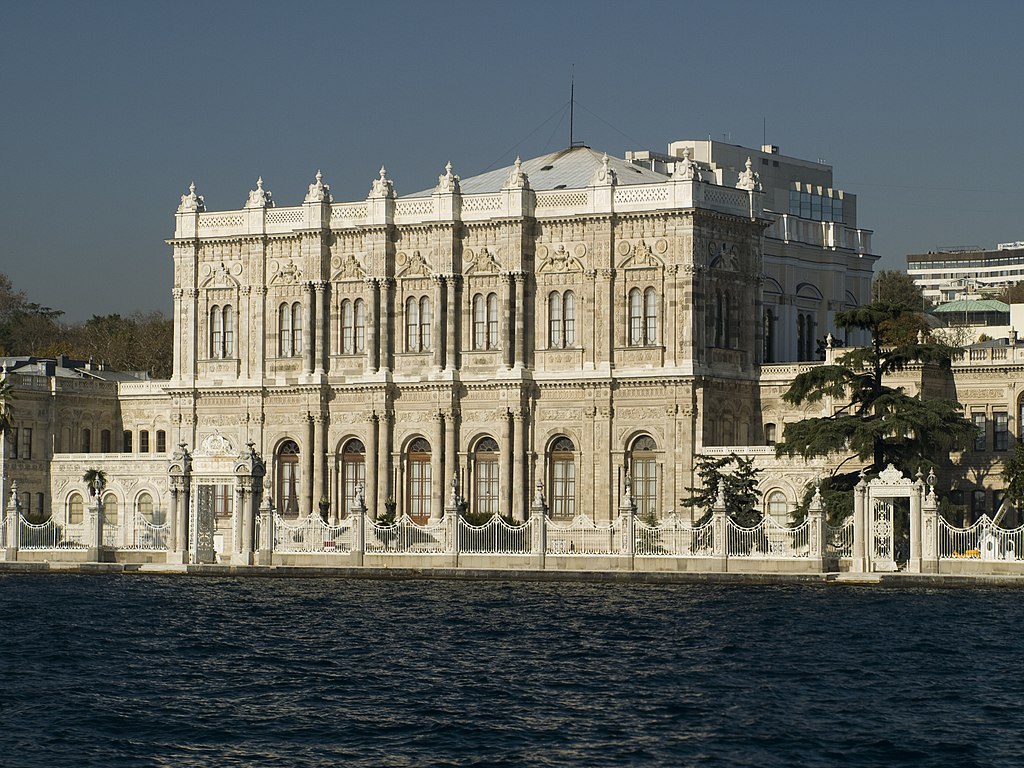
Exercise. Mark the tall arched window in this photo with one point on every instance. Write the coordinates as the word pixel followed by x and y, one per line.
pixel 479 322
pixel 554 320
pixel 418 486
pixel 126 441
pixel 770 434
pixel 75 507
pixel 800 335
pixel 650 316
pixel 360 323
pixel 86 440
pixel 485 470
pixel 728 322
pixel 492 321
pixel 110 509
pixel 161 441
pixel 228 314
pixel 644 470
pixel 296 329
pixel 348 328
pixel 636 318
pixel 144 506
pixel 288 479
pixel 569 318
pixel 284 331
pixel 563 478
pixel 216 332
pixel 353 472
pixel 425 324
pixel 412 325
pixel 776 508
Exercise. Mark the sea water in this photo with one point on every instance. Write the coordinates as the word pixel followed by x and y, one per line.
pixel 201 671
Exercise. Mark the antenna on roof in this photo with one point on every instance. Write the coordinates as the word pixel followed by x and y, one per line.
pixel 572 106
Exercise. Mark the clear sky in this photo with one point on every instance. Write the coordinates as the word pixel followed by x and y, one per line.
pixel 109 109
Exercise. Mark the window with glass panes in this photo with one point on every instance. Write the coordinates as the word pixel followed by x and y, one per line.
pixel 563 478
pixel 288 479
pixel 418 487
pixel 485 469
pixel 643 466
pixel 1000 430
pixel 353 472
pixel 980 424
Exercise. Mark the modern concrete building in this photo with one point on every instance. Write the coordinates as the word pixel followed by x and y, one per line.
pixel 964 273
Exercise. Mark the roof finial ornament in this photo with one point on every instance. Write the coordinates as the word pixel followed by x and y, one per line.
pixel 259 197
pixel 604 176
pixel 318 191
pixel 749 180
pixel 191 202
pixel 686 169
pixel 517 179
pixel 448 182
pixel 382 186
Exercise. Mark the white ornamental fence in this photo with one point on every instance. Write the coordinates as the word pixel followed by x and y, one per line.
pixel 582 536
pixel 51 535
pixel 839 540
pixel 407 537
pixel 768 540
pixel 981 541
pixel 674 537
pixel 311 534
pixel 497 537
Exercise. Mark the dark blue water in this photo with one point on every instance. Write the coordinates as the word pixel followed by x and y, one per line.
pixel 140 671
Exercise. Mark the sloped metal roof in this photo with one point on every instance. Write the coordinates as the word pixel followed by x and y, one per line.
pixel 972 305
pixel 565 169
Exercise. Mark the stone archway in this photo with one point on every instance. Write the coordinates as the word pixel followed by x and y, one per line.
pixel 875 510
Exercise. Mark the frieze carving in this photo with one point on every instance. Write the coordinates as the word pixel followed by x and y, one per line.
pixel 482 262
pixel 289 274
pixel 640 256
pixel 348 267
pixel 561 260
pixel 216 445
pixel 414 265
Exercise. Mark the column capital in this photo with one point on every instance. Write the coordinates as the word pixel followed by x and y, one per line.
pixel 319 285
pixel 177 293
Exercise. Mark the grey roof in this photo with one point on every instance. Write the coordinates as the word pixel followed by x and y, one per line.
pixel 972 305
pixel 565 169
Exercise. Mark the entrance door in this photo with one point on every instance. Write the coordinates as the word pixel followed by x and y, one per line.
pixel 205 522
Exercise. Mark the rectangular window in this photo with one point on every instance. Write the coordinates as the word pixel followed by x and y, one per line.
pixel 161 441
pixel 12 444
pixel 105 441
pixel 977 504
pixel 563 492
pixel 26 443
pixel 144 441
pixel 127 441
pixel 222 500
pixel 487 487
pixel 1001 430
pixel 981 424
pixel 794 202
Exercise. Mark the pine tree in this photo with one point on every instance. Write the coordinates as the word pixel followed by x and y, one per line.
pixel 738 478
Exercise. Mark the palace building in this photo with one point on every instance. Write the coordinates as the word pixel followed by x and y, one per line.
pixel 558 322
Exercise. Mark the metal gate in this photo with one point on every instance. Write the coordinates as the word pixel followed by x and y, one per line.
pixel 203 523
pixel 882 535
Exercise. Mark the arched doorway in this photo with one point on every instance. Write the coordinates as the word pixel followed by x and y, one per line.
pixel 352 472
pixel 562 482
pixel 288 479
pixel 485 471
pixel 418 480
pixel 643 466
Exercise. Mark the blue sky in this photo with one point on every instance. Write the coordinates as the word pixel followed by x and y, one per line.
pixel 110 109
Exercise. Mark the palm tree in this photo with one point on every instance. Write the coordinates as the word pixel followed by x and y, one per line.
pixel 96 479
pixel 6 425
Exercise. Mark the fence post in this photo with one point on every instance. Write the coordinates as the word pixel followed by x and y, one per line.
pixel 357 514
pixel 627 513
pixel 451 518
pixel 539 515
pixel 95 538
pixel 914 565
pixel 720 526
pixel 816 533
pixel 266 543
pixel 930 528
pixel 859 563
pixel 13 525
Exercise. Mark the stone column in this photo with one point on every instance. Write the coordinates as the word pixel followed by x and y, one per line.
pixel 437 328
pixel 507 322
pixel 172 537
pixel 238 519
pixel 309 452
pixel 504 463
pixel 95 528
pixel 178 317
pixel 816 533
pixel 384 421
pixel 437 469
pixel 519 484
pixel 386 323
pixel 319 460
pixel 929 528
pixel 720 529
pixel 371 464
pixel 859 562
pixel 259 313
pixel 309 315
pixel 914 566
pixel 539 519
pixel 451 448
pixel 519 359
pixel 372 326
pixel 357 515
pixel 627 512
pixel 12 523
pixel 191 340
pixel 451 518
pixel 267 535
pixel 451 322
pixel 320 314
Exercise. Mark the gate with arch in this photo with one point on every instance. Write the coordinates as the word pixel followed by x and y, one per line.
pixel 874 521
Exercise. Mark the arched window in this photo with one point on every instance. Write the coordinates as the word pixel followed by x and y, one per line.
pixel 644 470
pixel 636 318
pixel 144 506
pixel 492 321
pixel 353 472
pixel 284 331
pixel 296 329
pixel 360 326
pixel 554 320
pixel 110 509
pixel 425 324
pixel 288 479
pixel 569 318
pixel 562 482
pixel 75 506
pixel 86 440
pixel 485 469
pixel 143 441
pixel 776 508
pixel 216 332
pixel 348 328
pixel 418 489
pixel 650 316
pixel 412 325
pixel 229 331
pixel 161 441
pixel 769 434
pixel 479 322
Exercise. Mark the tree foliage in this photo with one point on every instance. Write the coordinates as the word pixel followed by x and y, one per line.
pixel 738 478
pixel 1013 474
pixel 872 420
pixel 1012 294
pixel 898 290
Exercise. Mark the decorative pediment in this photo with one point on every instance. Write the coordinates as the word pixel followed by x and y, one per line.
pixel 383 186
pixel 723 256
pixel 640 256
pixel 287 274
pixel 416 265
pixel 216 445
pixel 191 203
pixel 560 260
pixel 482 262
pixel 605 175
pixel 350 269
pixel 517 178
pixel 890 476
pixel 318 191
pixel 686 169
pixel 259 197
pixel 749 179
pixel 222 276
pixel 447 182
